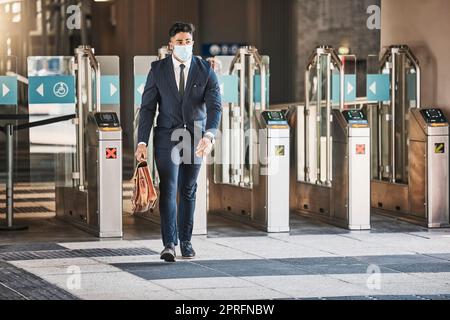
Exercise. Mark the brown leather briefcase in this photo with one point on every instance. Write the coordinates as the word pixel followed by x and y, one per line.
pixel 144 192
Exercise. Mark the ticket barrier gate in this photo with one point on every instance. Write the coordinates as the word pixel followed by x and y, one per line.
pixel 332 155
pixel 410 168
pixel 429 132
pixel 249 179
pixel 264 205
pixel 89 182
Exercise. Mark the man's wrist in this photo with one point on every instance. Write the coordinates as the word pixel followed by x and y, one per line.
pixel 210 136
pixel 142 144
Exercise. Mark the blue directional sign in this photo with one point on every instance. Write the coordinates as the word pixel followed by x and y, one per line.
pixel 349 88
pixel 229 88
pixel 378 87
pixel 51 90
pixel 257 88
pixel 139 86
pixel 8 90
pixel 110 90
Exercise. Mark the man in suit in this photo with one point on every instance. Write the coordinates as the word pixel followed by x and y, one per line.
pixel 187 92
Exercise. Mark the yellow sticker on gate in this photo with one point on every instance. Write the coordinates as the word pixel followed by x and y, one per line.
pixel 280 151
pixel 439 147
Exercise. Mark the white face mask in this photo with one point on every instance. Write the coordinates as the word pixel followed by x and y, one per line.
pixel 184 53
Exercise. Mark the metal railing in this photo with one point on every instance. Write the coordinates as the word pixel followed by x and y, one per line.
pixel 389 61
pixel 247 70
pixel 85 61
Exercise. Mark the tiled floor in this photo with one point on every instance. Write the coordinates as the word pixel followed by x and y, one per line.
pixel 395 260
pixel 227 268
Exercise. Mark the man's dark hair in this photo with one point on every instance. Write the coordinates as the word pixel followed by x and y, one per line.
pixel 181 27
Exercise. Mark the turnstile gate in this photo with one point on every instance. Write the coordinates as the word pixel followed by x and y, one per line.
pixel 89 181
pixel 333 150
pixel 249 179
pixel 410 144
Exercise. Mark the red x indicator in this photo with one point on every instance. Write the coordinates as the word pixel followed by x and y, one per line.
pixel 111 153
pixel 360 149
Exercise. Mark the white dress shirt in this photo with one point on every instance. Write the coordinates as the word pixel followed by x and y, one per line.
pixel 177 69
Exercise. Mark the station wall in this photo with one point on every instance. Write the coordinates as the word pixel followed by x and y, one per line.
pixel 425 27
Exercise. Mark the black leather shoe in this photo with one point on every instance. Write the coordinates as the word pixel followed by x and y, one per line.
pixel 168 254
pixel 186 250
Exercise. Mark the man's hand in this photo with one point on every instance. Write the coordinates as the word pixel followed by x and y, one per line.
pixel 204 148
pixel 141 153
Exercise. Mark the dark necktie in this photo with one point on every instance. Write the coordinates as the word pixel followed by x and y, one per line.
pixel 182 80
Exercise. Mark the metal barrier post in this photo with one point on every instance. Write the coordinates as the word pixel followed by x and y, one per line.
pixel 10 172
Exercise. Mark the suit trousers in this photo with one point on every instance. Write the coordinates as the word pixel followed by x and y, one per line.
pixel 178 169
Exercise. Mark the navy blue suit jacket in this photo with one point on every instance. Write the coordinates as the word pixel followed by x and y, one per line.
pixel 201 105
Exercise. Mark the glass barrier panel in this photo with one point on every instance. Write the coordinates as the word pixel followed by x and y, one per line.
pixel 51 94
pixel 142 66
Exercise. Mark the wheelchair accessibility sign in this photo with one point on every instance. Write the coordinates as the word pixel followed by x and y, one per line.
pixel 60 90
pixel 51 90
